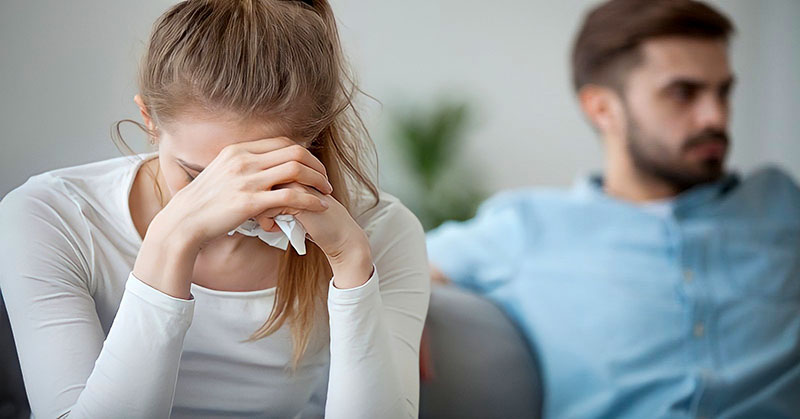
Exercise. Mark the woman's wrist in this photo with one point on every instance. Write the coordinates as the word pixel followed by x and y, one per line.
pixel 177 226
pixel 166 258
pixel 353 267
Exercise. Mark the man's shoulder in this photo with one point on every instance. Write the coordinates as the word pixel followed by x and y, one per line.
pixel 772 183
pixel 767 193
pixel 773 176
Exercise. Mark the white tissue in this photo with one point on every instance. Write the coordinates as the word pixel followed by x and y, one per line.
pixel 291 232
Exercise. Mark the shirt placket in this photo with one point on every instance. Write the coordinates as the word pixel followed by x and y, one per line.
pixel 698 329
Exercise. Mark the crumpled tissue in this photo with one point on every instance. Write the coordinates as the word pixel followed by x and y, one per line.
pixel 291 232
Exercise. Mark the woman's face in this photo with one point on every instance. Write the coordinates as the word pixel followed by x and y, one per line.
pixel 189 143
pixel 186 146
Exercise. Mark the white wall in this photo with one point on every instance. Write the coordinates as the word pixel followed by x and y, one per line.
pixel 67 71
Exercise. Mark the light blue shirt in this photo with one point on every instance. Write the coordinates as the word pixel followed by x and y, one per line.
pixel 689 312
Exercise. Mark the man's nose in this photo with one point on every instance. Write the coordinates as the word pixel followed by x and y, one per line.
pixel 712 112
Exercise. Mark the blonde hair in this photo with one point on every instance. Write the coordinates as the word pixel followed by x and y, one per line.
pixel 273 60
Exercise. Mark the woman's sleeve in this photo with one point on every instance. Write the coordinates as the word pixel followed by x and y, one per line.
pixel 376 328
pixel 69 366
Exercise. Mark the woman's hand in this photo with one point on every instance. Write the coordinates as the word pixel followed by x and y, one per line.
pixel 341 239
pixel 240 183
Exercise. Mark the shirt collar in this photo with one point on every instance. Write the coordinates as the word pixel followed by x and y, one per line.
pixel 591 186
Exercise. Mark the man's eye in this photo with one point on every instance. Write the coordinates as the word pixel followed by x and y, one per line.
pixel 683 93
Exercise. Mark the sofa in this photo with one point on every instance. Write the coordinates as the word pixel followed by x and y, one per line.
pixel 481 366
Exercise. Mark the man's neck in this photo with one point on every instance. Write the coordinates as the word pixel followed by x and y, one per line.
pixel 623 181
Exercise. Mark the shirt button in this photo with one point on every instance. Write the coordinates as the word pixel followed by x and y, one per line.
pixel 699 330
pixel 688 275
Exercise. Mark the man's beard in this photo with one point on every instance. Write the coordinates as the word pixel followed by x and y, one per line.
pixel 653 159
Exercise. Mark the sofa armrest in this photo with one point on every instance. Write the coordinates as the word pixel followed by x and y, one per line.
pixel 482 367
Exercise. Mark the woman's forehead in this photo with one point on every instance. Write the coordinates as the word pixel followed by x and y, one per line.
pixel 197 139
pixel 217 132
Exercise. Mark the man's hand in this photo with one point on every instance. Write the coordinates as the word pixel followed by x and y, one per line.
pixel 438 277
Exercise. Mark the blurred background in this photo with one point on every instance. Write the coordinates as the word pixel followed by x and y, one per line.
pixel 474 95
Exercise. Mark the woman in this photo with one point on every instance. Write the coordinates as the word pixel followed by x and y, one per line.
pixel 105 266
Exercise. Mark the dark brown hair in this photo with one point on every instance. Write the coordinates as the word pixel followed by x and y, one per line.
pixel 268 60
pixel 607 45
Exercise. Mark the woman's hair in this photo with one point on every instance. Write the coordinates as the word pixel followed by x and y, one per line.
pixel 279 61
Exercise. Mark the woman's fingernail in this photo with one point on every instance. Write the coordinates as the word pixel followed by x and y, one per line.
pixel 324 204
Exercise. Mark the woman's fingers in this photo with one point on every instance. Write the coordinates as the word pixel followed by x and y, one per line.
pixel 291 171
pixel 271 152
pixel 266 218
pixel 267 223
pixel 287 201
pixel 291 153
pixel 264 145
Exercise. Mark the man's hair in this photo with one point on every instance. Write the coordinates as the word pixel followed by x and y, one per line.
pixel 607 46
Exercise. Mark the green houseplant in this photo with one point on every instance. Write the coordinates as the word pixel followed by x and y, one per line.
pixel 431 141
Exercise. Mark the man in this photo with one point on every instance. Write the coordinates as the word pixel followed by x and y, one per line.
pixel 668 286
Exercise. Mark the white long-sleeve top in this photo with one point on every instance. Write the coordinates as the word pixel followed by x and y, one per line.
pixel 95 341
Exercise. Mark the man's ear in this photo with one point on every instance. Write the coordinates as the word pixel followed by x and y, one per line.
pixel 603 107
pixel 148 121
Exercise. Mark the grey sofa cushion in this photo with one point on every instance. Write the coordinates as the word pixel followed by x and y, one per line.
pixel 483 367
